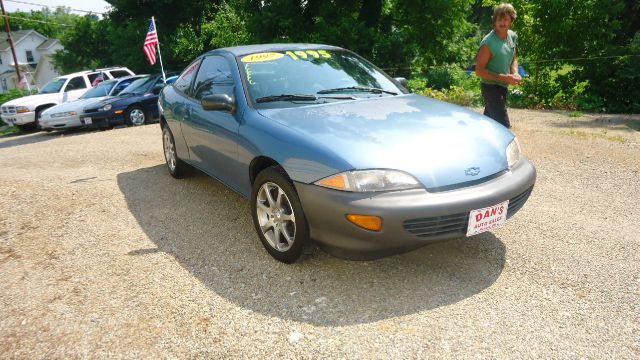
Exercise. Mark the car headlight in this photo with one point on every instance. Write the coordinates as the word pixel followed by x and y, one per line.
pixel 370 180
pixel 513 152
pixel 22 109
pixel 105 107
pixel 64 114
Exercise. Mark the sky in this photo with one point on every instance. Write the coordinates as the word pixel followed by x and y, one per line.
pixel 88 5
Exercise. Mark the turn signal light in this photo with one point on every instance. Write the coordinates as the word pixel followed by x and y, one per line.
pixel 373 223
pixel 118 112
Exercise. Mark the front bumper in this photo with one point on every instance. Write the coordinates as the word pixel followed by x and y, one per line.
pixel 60 122
pixel 411 218
pixel 103 118
pixel 19 119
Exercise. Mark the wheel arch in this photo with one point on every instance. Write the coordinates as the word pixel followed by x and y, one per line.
pixel 262 162
pixel 41 108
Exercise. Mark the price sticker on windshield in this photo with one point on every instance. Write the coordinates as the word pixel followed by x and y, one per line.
pixel 259 57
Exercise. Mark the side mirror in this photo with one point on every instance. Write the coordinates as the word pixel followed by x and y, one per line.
pixel 219 102
pixel 156 90
pixel 402 81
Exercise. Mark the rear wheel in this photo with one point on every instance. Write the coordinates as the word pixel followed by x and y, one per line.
pixel 277 215
pixel 177 168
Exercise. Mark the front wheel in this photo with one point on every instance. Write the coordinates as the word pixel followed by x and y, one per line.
pixel 135 116
pixel 277 216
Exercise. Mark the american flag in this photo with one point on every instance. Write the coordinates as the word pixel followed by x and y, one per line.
pixel 98 80
pixel 150 43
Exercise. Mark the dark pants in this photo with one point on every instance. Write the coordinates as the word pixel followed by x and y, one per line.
pixel 495 103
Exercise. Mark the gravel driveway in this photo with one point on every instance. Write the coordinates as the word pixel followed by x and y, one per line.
pixel 103 254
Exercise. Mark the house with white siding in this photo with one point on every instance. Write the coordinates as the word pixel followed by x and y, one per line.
pixel 34 52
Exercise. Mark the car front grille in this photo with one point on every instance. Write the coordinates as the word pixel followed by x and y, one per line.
pixel 455 224
pixel 8 109
pixel 88 111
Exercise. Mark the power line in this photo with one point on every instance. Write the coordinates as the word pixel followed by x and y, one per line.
pixel 48 6
pixel 582 58
pixel 40 21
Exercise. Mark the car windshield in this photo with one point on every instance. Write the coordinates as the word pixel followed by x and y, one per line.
pixel 289 78
pixel 102 89
pixel 53 86
pixel 139 86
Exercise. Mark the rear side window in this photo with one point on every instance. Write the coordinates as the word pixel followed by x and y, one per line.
pixel 93 76
pixel 184 81
pixel 76 83
pixel 214 77
pixel 119 73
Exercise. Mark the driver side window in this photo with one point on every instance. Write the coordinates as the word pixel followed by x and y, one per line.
pixel 214 77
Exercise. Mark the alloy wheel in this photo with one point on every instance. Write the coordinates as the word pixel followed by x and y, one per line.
pixel 137 117
pixel 169 150
pixel 276 216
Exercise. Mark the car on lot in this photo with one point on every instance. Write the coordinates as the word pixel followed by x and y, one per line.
pixel 68 115
pixel 135 105
pixel 25 111
pixel 328 147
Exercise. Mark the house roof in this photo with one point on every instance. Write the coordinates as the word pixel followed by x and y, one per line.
pixel 17 37
pixel 47 44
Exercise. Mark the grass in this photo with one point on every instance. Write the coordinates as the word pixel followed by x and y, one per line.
pixel 592 135
pixel 575 114
pixel 9 131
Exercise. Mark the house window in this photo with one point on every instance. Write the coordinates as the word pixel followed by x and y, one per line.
pixel 30 56
pixel 4 84
pixel 0 60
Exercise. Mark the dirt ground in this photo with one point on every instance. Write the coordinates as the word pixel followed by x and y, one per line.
pixel 103 254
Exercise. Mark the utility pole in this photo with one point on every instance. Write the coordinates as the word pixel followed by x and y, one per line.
pixel 10 40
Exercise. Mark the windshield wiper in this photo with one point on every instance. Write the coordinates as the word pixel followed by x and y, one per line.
pixel 358 88
pixel 299 97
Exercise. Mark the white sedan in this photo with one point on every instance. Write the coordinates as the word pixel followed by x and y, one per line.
pixel 67 115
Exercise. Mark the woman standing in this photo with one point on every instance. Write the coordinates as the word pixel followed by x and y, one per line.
pixel 497 65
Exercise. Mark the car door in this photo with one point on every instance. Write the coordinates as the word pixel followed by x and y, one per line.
pixel 74 88
pixel 212 136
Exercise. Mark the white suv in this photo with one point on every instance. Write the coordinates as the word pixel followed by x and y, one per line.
pixel 25 111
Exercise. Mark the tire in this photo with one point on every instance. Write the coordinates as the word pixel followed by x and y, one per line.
pixel 177 168
pixel 278 216
pixel 36 122
pixel 135 116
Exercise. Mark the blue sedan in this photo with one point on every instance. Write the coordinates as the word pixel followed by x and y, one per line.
pixel 136 105
pixel 327 147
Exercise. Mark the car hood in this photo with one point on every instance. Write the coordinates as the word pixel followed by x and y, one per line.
pixel 32 101
pixel 76 105
pixel 440 144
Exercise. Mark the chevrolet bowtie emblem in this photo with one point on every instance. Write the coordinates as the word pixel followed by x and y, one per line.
pixel 472 171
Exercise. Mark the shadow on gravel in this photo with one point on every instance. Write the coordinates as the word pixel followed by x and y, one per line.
pixel 604 121
pixel 36 137
pixel 208 229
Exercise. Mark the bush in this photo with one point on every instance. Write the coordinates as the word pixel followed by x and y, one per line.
pixel 14 94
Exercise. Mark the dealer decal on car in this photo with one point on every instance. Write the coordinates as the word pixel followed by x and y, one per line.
pixel 488 218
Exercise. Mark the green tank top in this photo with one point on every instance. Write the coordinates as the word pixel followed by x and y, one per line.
pixel 502 52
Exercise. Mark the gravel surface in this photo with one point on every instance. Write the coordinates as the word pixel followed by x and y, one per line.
pixel 103 254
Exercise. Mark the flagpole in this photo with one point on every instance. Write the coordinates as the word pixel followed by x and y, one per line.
pixel 164 79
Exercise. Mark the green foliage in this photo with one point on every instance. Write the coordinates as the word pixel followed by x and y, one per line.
pixel 11 130
pixel 574 63
pixel 14 94
pixel 48 23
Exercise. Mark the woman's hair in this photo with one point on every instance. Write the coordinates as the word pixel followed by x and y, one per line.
pixel 504 9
